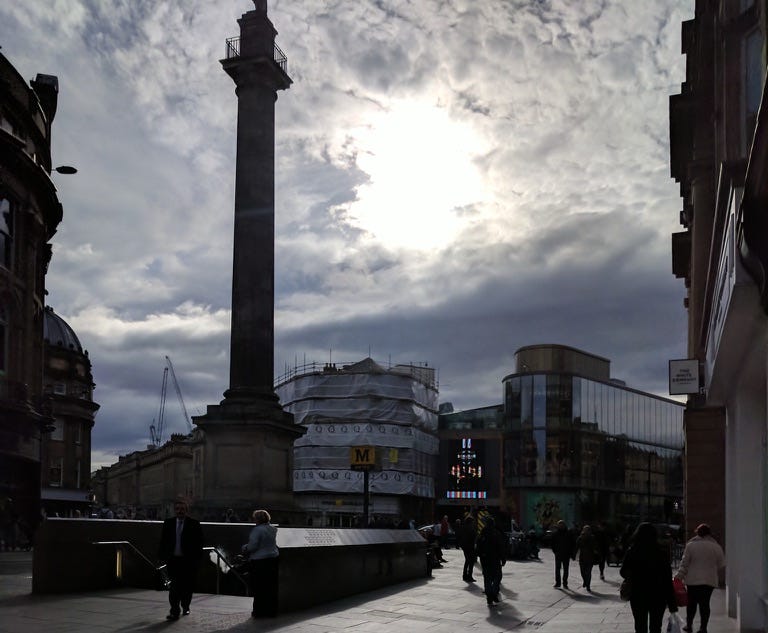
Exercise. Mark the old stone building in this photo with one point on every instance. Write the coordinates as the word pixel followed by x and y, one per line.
pixel 143 484
pixel 30 211
pixel 719 155
pixel 66 450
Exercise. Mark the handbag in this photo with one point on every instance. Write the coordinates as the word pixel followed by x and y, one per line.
pixel 681 593
pixel 625 589
pixel 673 624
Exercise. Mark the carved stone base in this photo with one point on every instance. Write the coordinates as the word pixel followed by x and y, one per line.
pixel 246 458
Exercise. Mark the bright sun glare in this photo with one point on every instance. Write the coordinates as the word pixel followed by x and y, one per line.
pixel 421 174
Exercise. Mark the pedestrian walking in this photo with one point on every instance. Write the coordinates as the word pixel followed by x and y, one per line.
pixel 181 547
pixel 646 566
pixel 703 561
pixel 601 537
pixel 492 551
pixel 467 538
pixel 445 529
pixel 586 551
pixel 563 545
pixel 263 565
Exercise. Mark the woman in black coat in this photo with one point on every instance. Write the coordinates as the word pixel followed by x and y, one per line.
pixel 646 566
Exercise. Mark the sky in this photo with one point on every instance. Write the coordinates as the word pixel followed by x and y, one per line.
pixel 455 179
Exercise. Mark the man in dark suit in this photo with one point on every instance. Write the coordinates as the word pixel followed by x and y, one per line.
pixel 563 546
pixel 181 546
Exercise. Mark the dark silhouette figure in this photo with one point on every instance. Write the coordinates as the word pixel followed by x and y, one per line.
pixel 467 538
pixel 181 546
pixel 586 548
pixel 563 545
pixel 601 537
pixel 492 551
pixel 646 566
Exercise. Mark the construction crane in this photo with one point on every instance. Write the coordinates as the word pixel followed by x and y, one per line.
pixel 156 431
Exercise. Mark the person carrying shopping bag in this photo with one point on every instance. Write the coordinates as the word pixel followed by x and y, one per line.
pixel 703 560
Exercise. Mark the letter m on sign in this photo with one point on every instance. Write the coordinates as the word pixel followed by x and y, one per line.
pixel 362 457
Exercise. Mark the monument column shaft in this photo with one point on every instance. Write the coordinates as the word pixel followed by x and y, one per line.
pixel 252 338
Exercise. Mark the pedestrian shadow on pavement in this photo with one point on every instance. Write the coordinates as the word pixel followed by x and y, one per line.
pixel 594 596
pixel 504 615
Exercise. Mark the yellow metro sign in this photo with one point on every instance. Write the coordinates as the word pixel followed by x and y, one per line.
pixel 362 457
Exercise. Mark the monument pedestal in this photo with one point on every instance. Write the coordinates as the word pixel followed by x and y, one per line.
pixel 246 460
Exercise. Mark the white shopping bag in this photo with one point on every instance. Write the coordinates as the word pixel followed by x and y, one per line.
pixel 673 624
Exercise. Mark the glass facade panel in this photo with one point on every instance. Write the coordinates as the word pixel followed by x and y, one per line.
pixel 558 401
pixel 512 403
pixel 576 406
pixel 526 401
pixel 599 447
pixel 539 400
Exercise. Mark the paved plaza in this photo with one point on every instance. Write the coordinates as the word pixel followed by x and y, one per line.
pixel 441 604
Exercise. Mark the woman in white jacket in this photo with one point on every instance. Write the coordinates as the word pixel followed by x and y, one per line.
pixel 263 570
pixel 700 569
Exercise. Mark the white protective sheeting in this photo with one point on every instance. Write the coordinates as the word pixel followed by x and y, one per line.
pixel 385 435
pixel 386 397
pixel 381 482
pixel 393 410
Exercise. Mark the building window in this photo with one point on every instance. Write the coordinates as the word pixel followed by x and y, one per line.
pixel 8 124
pixel 6 232
pixel 56 471
pixel 58 431
pixel 60 389
pixel 78 433
pixel 77 474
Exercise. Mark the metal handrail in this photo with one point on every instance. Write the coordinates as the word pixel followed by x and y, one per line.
pixel 221 556
pixel 132 546
pixel 233 47
pixel 232 50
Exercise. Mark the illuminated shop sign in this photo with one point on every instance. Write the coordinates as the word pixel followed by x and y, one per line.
pixel 466 494
pixel 466 472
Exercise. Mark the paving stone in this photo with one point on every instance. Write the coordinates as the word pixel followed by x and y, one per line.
pixel 442 604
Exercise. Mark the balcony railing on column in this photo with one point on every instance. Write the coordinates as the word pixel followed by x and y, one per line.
pixel 233 50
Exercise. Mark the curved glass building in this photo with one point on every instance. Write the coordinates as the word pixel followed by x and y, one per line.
pixel 568 442
pixel 583 447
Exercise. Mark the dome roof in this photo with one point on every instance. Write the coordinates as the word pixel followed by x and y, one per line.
pixel 56 331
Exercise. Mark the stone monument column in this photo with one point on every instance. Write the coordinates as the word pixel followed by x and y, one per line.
pixel 246 456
